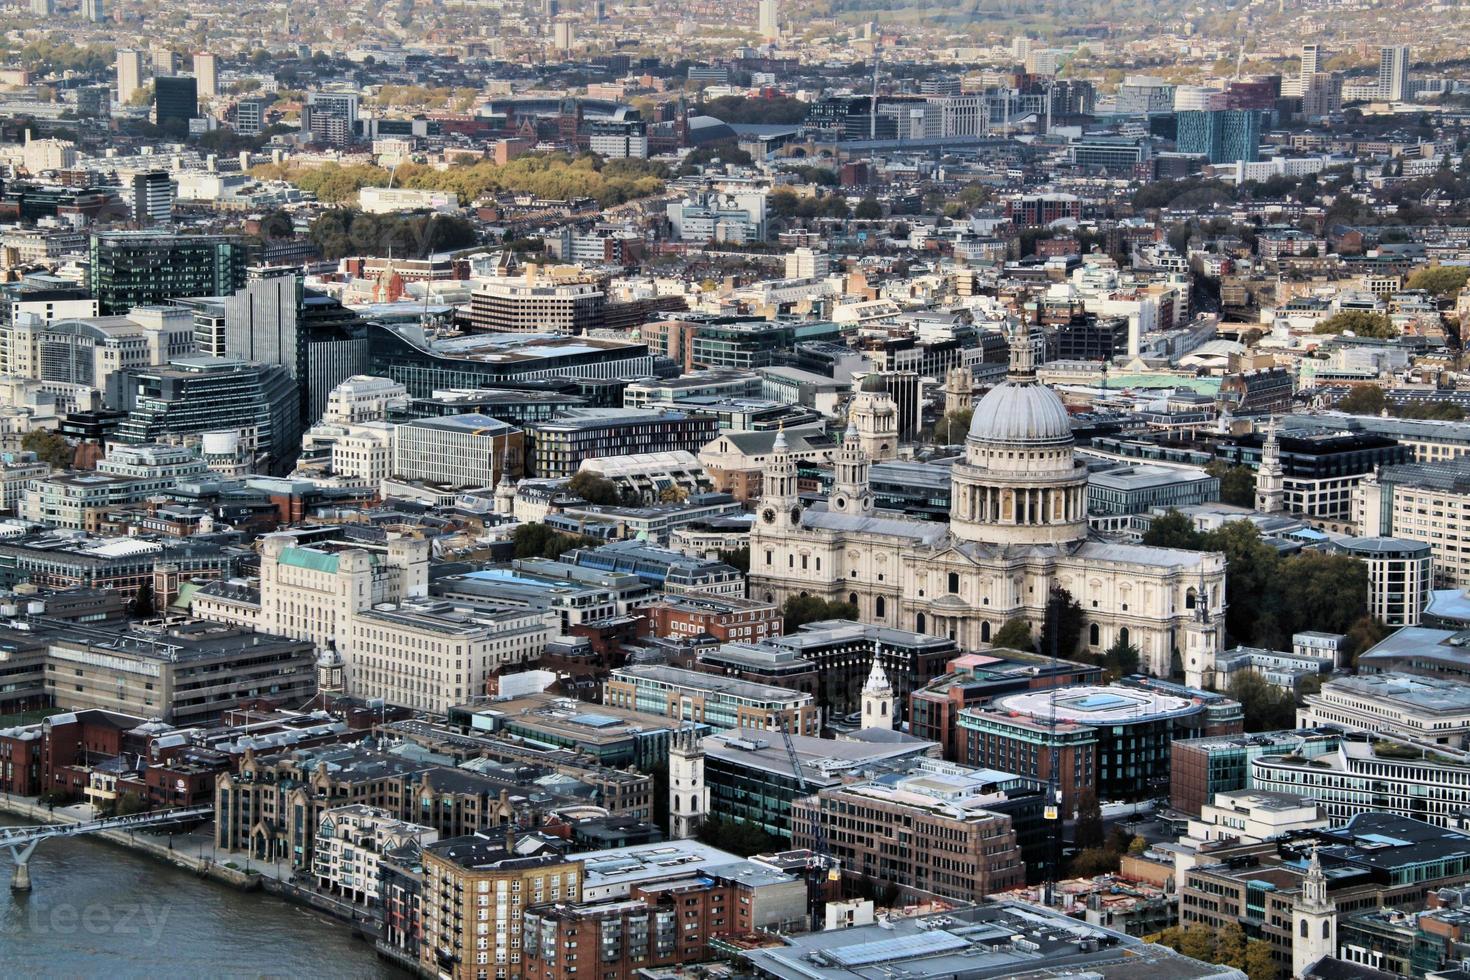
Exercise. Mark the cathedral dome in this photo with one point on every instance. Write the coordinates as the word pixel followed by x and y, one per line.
pixel 1026 414
pixel 873 383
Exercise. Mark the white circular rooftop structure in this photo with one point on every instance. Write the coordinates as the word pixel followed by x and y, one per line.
pixel 1098 705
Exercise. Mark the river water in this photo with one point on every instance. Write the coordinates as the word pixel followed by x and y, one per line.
pixel 99 910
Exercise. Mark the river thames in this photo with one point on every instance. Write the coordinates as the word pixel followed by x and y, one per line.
pixel 99 910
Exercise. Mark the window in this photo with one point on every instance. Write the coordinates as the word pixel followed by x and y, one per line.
pixel 878 605
pixel 954 583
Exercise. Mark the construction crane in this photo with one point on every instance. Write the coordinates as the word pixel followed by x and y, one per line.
pixel 826 863
pixel 1052 812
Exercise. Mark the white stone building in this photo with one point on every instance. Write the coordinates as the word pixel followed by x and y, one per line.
pixel 1018 527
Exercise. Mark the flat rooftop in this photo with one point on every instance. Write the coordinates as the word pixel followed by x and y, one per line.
pixel 1097 705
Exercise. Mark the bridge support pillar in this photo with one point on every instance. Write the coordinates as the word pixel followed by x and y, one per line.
pixel 21 880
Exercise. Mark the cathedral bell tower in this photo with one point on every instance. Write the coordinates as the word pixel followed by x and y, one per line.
pixel 780 501
pixel 851 493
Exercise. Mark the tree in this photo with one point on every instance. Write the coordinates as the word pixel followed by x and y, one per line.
pixel 1363 400
pixel 952 428
pixel 738 558
pixel 1121 659
pixel 1362 323
pixel 1065 614
pixel 1251 566
pixel 798 610
pixel 540 541
pixel 1137 846
pixel 868 209
pixel 1172 530
pixel 1441 281
pixel 1267 708
pixel 593 488
pixel 673 494
pixel 1237 483
pixel 143 601
pixel 1260 963
pixel 1362 636
pixel 1426 409
pixel 48 447
pixel 1087 830
pixel 1014 635
pixel 1093 861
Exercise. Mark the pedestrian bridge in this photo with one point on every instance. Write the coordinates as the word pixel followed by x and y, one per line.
pixel 23 841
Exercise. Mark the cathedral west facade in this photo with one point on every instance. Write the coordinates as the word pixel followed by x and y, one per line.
pixel 1018 526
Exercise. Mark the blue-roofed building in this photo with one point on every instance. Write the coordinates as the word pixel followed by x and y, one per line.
pixel 662 568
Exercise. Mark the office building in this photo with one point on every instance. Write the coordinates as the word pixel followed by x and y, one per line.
pixel 1393 73
pixel 141 268
pixel 1400 577
pixel 536 305
pixel 1425 708
pixel 483 881
pixel 1221 136
pixel 153 194
pixel 1372 860
pixel 195 395
pixel 1424 503
pixel 206 70
pixel 929 827
pixel 1372 776
pixel 249 117
pixel 70 354
pixel 967 943
pixel 276 320
pixel 458 450
pixel 188 674
pixel 175 101
pixel 430 655
pixel 1111 741
pixel 559 445
pixel 749 778
pixel 94 11
pixel 486 360
pixel 129 73
pixel 721 702
pixel 43 8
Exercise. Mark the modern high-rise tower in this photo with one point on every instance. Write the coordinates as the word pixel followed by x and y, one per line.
pixel 1393 72
pixel 206 70
pixel 770 17
pixel 129 73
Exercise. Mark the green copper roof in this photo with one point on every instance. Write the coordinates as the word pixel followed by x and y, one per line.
pixel 316 561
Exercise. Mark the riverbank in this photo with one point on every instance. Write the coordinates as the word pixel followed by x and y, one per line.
pixel 204 867
pixel 106 909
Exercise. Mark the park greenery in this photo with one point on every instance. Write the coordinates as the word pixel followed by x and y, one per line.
pixel 1272 596
pixel 1227 946
pixel 551 176
pixel 1361 323
pixel 1371 400
pixel 344 231
pixel 798 610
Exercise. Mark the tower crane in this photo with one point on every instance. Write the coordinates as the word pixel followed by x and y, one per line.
pixel 825 862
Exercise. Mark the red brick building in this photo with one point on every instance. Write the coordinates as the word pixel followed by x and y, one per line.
pixel 729 619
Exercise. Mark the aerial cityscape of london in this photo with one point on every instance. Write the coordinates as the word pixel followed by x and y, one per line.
pixel 759 490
